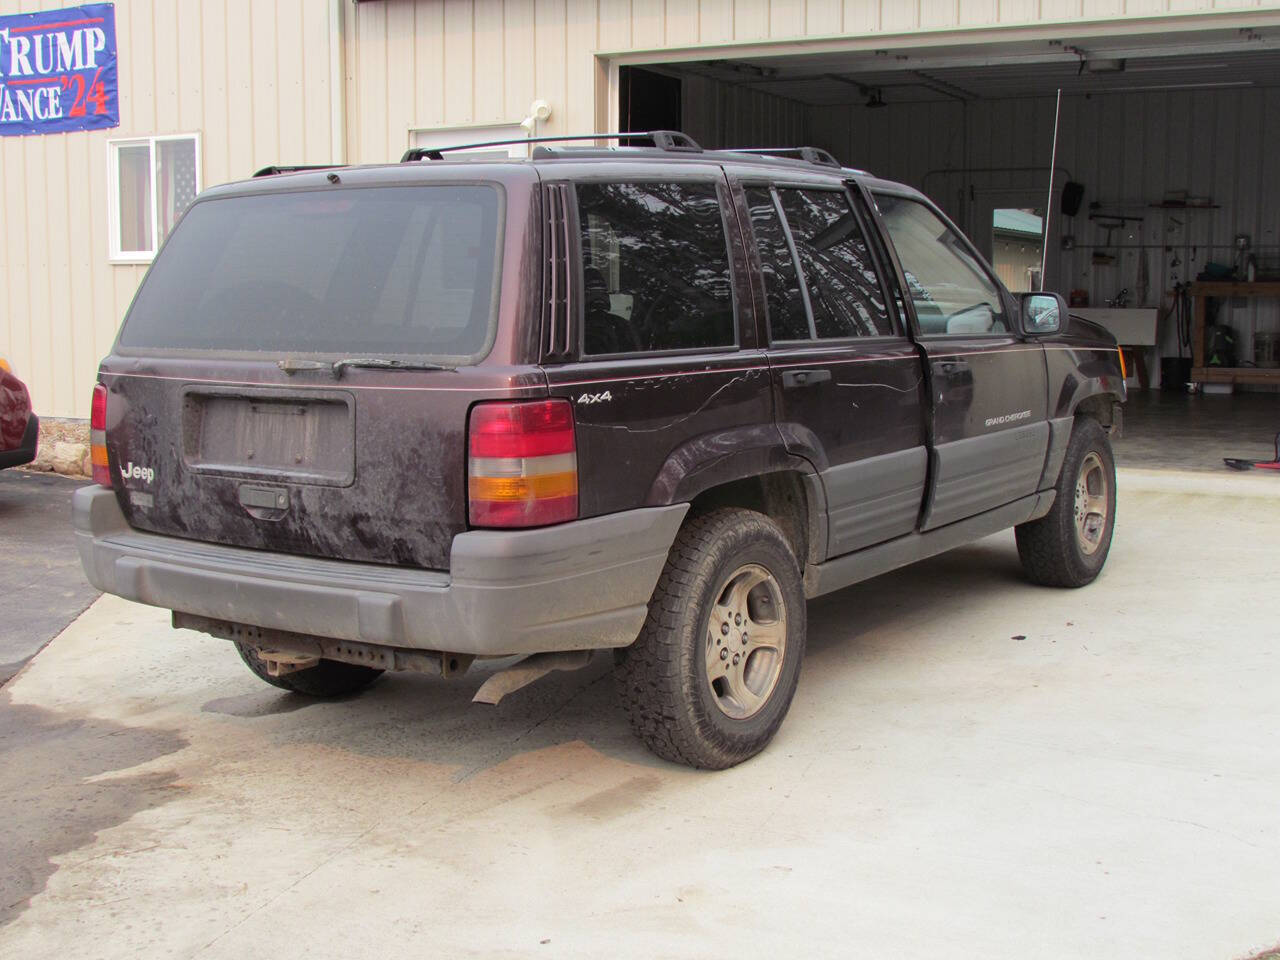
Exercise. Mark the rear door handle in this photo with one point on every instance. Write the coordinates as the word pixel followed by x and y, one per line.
pixel 804 378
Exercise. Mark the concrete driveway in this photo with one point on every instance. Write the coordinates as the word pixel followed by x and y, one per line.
pixel 42 588
pixel 973 767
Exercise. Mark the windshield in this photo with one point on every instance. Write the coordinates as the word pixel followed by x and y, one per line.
pixel 361 271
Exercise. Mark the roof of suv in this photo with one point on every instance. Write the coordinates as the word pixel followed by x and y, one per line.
pixel 672 148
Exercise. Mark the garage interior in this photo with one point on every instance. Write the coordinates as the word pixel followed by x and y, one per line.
pixel 1165 196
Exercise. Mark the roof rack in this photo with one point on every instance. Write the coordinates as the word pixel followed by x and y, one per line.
pixel 807 154
pixel 671 141
pixel 273 171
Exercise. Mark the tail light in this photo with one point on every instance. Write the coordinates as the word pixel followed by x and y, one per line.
pixel 523 469
pixel 98 436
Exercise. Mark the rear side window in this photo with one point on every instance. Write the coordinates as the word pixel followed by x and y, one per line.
pixel 655 268
pixel 787 317
pixel 359 271
pixel 844 291
pixel 952 293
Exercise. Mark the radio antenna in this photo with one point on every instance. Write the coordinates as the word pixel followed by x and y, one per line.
pixel 1048 207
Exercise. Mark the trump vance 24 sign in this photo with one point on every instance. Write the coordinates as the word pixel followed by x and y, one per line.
pixel 58 71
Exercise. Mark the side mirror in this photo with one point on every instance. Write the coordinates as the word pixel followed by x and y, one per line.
pixel 1042 313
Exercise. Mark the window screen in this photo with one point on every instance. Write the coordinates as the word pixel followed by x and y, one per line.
pixel 655 268
pixel 406 270
pixel 787 319
pixel 951 291
pixel 844 291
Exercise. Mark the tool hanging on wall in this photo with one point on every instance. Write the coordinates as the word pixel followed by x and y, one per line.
pixel 1143 285
pixel 1110 222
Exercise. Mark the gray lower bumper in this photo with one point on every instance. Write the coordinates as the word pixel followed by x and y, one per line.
pixel 577 586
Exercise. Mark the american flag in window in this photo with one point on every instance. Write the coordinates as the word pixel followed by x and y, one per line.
pixel 176 180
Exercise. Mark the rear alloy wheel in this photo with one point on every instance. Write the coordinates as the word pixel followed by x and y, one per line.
pixel 328 678
pixel 1068 546
pixel 711 676
pixel 746 642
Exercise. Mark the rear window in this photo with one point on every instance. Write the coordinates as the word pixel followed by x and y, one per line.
pixel 385 270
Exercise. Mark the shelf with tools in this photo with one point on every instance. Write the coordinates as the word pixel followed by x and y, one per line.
pixel 1201 291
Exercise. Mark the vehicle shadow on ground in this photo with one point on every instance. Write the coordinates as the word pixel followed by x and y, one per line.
pixel 430 720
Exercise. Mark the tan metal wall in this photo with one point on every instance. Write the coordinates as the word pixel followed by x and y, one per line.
pixel 434 63
pixel 252 78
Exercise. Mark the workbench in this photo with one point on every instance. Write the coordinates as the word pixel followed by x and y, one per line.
pixel 1203 289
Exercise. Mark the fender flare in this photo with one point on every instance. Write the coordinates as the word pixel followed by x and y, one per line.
pixel 739 453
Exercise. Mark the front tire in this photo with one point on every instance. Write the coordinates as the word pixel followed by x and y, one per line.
pixel 1068 546
pixel 712 674
pixel 328 678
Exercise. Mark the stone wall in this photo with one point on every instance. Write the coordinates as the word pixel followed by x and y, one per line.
pixel 64 447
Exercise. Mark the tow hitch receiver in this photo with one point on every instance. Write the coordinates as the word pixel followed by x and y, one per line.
pixel 281 662
pixel 524 672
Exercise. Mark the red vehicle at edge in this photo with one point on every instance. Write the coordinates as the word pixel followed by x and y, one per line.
pixel 19 427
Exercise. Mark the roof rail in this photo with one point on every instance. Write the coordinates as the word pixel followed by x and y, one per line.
pixel 807 154
pixel 672 141
pixel 279 169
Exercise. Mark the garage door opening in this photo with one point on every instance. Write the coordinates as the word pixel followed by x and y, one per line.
pixel 1168 141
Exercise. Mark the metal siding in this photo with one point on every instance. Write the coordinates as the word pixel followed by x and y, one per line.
pixel 252 78
pixel 256 97
pixel 1123 147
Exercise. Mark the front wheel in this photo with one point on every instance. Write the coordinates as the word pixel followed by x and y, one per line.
pixel 711 676
pixel 1068 546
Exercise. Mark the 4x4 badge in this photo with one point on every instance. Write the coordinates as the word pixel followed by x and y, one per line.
pixel 590 398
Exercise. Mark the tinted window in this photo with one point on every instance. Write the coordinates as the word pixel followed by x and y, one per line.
pixel 844 291
pixel 408 270
pixel 655 270
pixel 951 291
pixel 787 319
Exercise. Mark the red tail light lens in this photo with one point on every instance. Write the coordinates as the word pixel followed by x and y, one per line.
pixel 98 436
pixel 523 468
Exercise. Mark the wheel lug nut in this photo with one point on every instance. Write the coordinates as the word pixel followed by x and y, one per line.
pixel 737 619
pixel 724 653
pixel 735 659
pixel 744 639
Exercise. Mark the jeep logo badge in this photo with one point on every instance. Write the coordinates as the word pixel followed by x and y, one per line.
pixel 134 471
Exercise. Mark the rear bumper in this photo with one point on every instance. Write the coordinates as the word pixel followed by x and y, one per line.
pixel 580 585
pixel 26 450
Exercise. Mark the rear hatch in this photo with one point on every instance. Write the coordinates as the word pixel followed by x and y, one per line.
pixel 296 370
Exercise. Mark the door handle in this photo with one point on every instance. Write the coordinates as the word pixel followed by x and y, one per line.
pixel 804 378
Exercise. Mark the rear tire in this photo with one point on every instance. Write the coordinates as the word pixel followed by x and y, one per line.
pixel 1068 546
pixel 711 676
pixel 328 678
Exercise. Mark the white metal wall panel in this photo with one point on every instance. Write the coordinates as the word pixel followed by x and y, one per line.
pixel 1127 149
pixel 251 78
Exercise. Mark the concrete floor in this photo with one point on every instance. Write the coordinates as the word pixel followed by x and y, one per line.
pixel 1179 431
pixel 973 767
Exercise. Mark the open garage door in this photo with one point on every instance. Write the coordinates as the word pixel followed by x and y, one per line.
pixel 1167 154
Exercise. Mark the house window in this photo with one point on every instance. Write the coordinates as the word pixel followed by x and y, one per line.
pixel 487 133
pixel 152 181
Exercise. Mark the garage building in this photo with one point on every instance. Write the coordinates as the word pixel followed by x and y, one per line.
pixel 1167 146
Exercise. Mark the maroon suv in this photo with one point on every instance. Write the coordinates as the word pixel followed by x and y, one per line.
pixel 646 400
pixel 19 427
